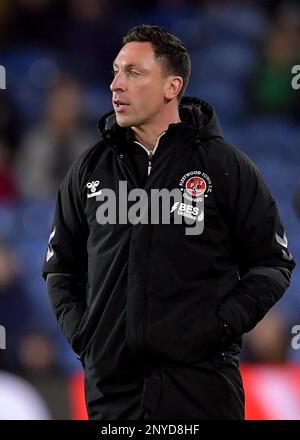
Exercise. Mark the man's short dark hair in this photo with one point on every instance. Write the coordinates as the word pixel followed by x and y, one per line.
pixel 167 48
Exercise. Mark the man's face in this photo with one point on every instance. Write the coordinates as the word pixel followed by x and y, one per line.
pixel 138 87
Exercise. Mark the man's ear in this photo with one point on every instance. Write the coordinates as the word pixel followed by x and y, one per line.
pixel 173 86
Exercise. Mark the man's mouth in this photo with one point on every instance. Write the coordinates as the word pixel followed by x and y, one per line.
pixel 120 105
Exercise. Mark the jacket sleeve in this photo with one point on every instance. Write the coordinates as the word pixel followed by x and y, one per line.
pixel 65 265
pixel 259 244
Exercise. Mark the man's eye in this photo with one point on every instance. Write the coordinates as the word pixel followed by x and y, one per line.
pixel 114 72
pixel 133 73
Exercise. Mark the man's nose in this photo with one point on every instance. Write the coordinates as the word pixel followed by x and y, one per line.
pixel 118 83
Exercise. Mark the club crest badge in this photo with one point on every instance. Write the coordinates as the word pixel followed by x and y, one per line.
pixel 195 185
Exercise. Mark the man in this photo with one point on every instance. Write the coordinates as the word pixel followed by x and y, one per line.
pixel 156 310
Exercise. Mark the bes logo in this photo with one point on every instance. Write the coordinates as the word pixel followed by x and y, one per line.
pixel 195 186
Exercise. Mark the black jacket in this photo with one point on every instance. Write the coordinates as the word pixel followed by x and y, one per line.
pixel 151 289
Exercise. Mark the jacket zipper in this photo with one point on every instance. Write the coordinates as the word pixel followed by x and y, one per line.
pixel 150 153
pixel 128 169
pixel 150 156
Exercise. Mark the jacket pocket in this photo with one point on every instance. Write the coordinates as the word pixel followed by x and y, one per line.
pixel 78 339
pixel 152 391
pixel 213 335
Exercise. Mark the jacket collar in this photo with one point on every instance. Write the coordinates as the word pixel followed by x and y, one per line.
pixel 198 119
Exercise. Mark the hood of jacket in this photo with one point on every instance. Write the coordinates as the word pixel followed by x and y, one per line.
pixel 197 117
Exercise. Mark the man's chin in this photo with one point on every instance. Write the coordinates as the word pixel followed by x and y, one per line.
pixel 123 122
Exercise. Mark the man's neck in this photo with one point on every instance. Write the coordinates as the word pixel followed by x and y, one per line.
pixel 148 134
